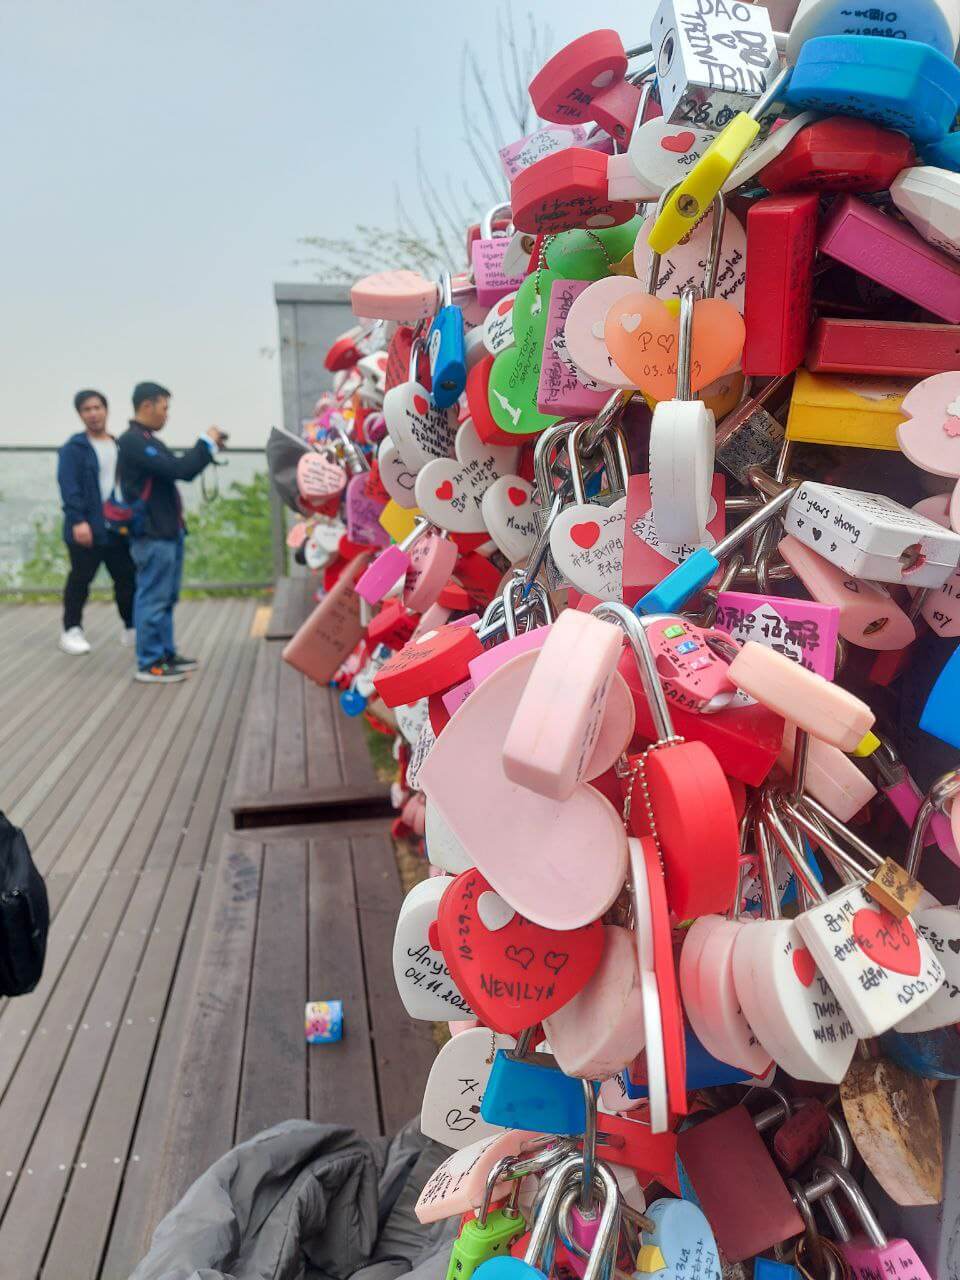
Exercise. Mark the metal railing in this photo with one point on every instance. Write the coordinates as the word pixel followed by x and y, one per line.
pixel 235 517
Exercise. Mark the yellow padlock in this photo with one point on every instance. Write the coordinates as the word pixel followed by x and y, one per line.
pixel 845 409
pixel 399 521
pixel 694 195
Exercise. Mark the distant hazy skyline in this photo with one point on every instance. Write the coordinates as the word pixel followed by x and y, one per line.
pixel 160 163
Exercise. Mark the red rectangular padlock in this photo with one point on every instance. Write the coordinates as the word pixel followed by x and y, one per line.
pixel 781 245
pixel 737 1184
pixel 887 347
pixel 745 740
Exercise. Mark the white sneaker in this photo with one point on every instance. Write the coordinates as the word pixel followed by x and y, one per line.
pixel 74 642
pixel 128 637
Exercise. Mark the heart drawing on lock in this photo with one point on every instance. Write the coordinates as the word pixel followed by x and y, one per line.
pixel 420 431
pixel 804 966
pixel 890 942
pixel 680 143
pixel 586 542
pixel 642 334
pixel 508 512
pixel 511 976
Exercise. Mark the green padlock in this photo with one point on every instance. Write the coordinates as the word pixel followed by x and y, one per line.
pixel 479 1242
pixel 515 375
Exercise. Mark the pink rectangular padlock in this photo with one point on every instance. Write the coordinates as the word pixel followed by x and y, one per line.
pixel 894 255
pixel 521 154
pixel 802 629
pixel 562 389
pixel 491 281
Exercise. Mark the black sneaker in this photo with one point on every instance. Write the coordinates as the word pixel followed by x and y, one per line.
pixel 181 663
pixel 160 673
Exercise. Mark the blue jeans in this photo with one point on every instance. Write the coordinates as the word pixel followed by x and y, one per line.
pixel 159 564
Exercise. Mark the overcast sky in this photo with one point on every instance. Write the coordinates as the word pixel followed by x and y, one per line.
pixel 161 160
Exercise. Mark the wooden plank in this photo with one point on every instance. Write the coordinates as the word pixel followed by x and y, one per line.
pixel 109 1128
pixel 32 1209
pixel 81 1232
pixel 255 766
pixel 22 1106
pixel 355 763
pixel 202 1119
pixel 84 704
pixel 118 750
pixel 273 1081
pixel 292 604
pixel 289 754
pixel 342 1078
pixel 317 804
pixel 403 1047
pixel 139 1207
pixel 21 1016
pixel 324 766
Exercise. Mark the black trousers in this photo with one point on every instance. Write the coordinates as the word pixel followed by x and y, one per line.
pixel 84 563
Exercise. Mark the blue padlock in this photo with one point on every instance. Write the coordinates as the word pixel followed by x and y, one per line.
pixel 941 714
pixel 703 1069
pixel 531 1092
pixel 446 348
pixel 352 702
pixel 944 153
pixel 770 1269
pixel 934 1055
pixel 900 84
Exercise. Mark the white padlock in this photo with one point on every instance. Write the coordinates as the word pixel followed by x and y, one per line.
pixel 870 536
pixel 930 199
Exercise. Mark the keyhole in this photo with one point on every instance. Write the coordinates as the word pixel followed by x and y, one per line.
pixel 912 558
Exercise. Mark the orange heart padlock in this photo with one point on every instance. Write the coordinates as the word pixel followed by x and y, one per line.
pixel 643 335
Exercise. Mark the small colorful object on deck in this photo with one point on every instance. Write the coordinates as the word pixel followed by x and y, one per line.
pixel 323 1021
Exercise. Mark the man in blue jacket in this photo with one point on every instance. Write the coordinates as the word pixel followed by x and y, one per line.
pixel 148 475
pixel 86 472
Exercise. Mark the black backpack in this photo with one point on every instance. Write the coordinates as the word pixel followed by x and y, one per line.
pixel 24 914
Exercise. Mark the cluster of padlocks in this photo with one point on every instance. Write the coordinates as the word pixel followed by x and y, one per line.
pixel 640 533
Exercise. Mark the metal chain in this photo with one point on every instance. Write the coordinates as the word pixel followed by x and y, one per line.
pixel 639 772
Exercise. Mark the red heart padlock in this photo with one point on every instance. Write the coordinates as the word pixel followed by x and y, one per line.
pixel 671 1009
pixel 343 353
pixel 585 81
pixel 512 972
pixel 566 190
pixel 433 662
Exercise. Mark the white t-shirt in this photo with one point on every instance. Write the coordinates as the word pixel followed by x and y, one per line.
pixel 106 450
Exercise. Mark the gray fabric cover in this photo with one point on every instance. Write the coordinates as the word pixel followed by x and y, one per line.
pixel 306 1201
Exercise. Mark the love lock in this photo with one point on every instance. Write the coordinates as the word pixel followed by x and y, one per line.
pixel 680 795
pixel 586 538
pixel 420 429
pixel 557 721
pixel 878 966
pixel 737 1184
pixel 445 347
pixel 486 253
pixel 870 1252
pixel 893 1118
pixel 531 1087
pixel 784 997
pixel 491 1232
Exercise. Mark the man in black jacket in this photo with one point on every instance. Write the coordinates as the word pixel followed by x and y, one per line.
pixel 148 474
pixel 86 472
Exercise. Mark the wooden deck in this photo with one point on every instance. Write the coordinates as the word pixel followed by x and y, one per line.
pixel 169 1021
